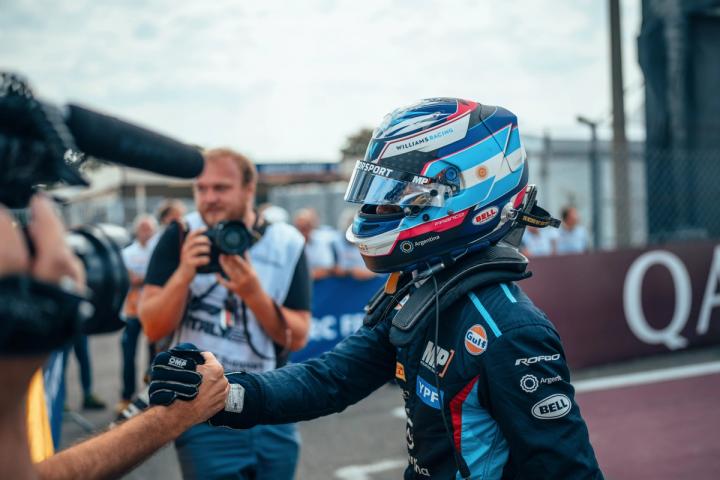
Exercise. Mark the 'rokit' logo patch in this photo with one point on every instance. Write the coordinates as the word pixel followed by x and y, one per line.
pixel 177 362
pixel 476 340
pixel 400 371
pixel 554 406
pixel 428 393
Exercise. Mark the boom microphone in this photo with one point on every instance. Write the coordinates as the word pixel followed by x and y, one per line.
pixel 109 138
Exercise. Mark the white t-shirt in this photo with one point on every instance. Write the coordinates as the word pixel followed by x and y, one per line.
pixel 348 255
pixel 319 250
pixel 571 241
pixel 211 327
pixel 137 257
pixel 540 243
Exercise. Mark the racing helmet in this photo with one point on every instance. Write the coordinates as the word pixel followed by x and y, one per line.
pixel 440 178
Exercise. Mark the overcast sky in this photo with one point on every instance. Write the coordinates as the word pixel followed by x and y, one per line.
pixel 289 80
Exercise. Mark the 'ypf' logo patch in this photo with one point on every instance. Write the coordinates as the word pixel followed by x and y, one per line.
pixel 476 340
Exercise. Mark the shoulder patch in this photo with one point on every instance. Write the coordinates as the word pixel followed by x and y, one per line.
pixel 554 406
pixel 476 340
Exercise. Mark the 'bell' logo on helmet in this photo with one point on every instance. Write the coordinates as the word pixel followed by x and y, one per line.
pixel 476 340
pixel 485 216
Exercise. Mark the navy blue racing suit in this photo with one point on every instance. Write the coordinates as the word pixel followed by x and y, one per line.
pixel 504 388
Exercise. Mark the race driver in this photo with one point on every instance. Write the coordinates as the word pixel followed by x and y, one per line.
pixel 444 198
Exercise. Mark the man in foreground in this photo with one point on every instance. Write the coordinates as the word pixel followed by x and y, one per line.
pixel 111 454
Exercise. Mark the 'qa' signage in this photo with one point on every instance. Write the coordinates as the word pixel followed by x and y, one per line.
pixel 670 336
pixel 611 306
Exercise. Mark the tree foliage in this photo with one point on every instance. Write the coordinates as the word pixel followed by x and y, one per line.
pixel 356 144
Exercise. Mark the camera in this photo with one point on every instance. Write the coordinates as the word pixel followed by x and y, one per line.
pixel 41 145
pixel 98 247
pixel 229 238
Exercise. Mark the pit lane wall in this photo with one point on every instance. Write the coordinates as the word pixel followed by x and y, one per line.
pixel 612 306
pixel 607 306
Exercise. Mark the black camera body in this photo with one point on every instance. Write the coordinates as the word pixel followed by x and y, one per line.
pixel 229 238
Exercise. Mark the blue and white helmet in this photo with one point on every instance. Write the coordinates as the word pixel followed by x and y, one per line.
pixel 439 178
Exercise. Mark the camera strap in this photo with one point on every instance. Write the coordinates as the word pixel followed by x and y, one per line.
pixel 248 335
pixel 282 352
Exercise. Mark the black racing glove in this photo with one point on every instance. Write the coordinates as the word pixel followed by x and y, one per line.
pixel 174 375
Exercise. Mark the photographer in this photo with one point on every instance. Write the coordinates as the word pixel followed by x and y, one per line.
pixel 49 277
pixel 250 315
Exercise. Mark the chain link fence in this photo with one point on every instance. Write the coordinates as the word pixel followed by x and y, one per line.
pixel 683 198
pixel 580 174
pixel 670 195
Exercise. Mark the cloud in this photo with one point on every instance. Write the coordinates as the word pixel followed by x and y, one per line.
pixel 290 80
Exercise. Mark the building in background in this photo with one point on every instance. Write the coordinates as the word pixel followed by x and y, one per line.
pixel 679 53
pixel 561 169
pixel 118 194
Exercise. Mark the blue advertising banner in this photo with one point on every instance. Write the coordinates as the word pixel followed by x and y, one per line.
pixel 53 379
pixel 337 311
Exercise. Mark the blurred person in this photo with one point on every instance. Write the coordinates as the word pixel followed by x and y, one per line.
pixel 349 261
pixel 136 257
pixel 538 242
pixel 81 347
pixel 482 370
pixel 26 450
pixel 321 257
pixel 572 236
pixel 250 317
pixel 273 214
pixel 169 211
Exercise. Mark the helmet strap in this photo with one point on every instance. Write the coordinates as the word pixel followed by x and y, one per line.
pixel 537 217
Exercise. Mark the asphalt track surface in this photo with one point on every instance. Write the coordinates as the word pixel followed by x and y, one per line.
pixel 661 425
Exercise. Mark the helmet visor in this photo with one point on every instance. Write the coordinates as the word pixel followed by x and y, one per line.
pixel 377 185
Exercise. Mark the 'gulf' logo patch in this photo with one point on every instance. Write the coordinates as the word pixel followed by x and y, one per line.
pixel 476 340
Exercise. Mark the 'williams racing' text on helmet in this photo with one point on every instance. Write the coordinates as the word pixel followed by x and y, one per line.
pixel 439 178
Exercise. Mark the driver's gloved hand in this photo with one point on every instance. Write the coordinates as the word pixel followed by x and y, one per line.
pixel 173 375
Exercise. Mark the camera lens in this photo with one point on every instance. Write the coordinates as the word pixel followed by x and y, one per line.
pixel 107 278
pixel 233 238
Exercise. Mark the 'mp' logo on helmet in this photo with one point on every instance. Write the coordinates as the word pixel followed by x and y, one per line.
pixel 476 340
